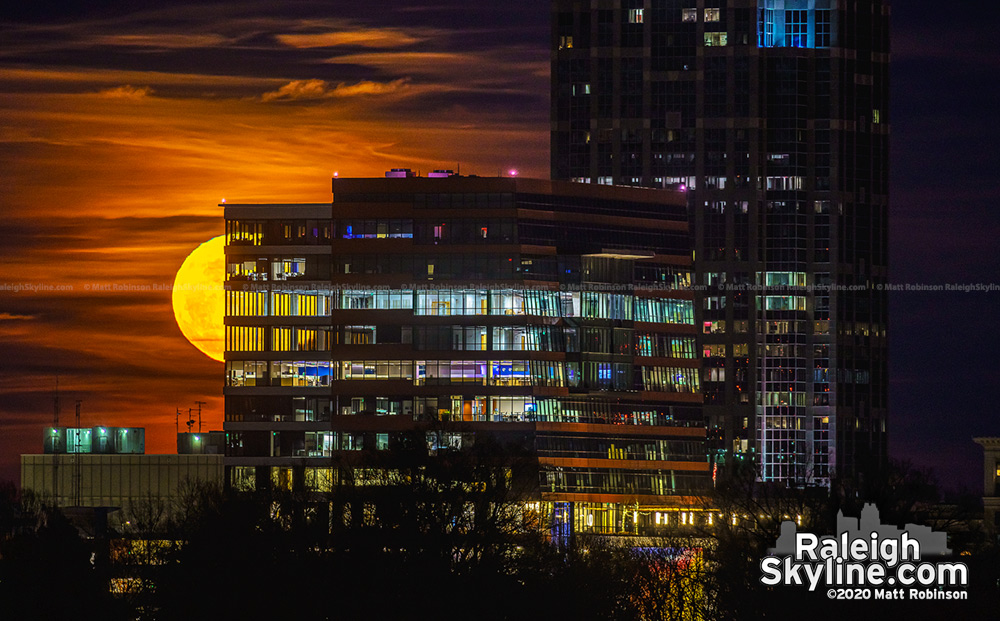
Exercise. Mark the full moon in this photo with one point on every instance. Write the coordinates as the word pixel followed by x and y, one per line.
pixel 199 299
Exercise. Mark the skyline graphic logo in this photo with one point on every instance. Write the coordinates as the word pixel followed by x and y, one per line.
pixel 866 560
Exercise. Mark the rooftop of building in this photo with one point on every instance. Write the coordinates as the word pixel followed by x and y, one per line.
pixel 406 182
pixel 453 183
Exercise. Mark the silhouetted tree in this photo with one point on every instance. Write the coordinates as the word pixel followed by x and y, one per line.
pixel 47 569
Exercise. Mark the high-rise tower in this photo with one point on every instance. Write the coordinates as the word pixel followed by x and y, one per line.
pixel 774 116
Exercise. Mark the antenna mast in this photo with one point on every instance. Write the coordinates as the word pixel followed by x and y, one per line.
pixel 77 475
pixel 53 439
pixel 199 404
pixel 55 408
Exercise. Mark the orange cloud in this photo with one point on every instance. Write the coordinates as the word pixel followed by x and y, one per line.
pixel 299 89
pixel 162 41
pixel 320 89
pixel 369 37
pixel 443 67
pixel 13 317
pixel 127 92
pixel 367 87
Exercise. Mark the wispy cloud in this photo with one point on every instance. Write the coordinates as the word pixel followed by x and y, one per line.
pixel 493 69
pixel 299 89
pixel 161 40
pixel 14 317
pixel 367 87
pixel 127 91
pixel 321 89
pixel 363 37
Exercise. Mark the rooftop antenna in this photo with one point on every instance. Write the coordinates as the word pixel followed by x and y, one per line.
pixel 55 406
pixel 77 475
pixel 190 420
pixel 53 439
pixel 177 421
pixel 200 403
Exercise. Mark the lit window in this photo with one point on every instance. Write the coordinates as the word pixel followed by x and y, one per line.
pixel 711 15
pixel 715 39
pixel 765 28
pixel 689 15
pixel 796 29
pixel 715 351
pixel 635 16
pixel 876 116
pixel 281 478
pixel 714 327
pixel 566 42
pixel 604 371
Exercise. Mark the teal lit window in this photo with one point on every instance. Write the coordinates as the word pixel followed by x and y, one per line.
pixel 795 23
pixel 796 29
pixel 765 28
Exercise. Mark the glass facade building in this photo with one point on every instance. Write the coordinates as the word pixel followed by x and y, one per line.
pixel 773 115
pixel 453 307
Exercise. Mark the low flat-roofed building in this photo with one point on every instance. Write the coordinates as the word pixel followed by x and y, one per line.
pixel 107 467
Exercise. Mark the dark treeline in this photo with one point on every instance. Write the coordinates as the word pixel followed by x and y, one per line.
pixel 445 537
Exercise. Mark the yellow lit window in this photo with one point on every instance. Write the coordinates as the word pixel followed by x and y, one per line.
pixel 281 478
pixel 715 39
pixel 282 304
pixel 307 304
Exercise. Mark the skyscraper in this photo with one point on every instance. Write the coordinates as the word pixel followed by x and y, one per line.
pixel 773 115
pixel 453 307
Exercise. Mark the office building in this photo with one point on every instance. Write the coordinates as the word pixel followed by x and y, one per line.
pixel 773 116
pixel 457 307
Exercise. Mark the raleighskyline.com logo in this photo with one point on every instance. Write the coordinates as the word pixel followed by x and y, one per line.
pixel 866 560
